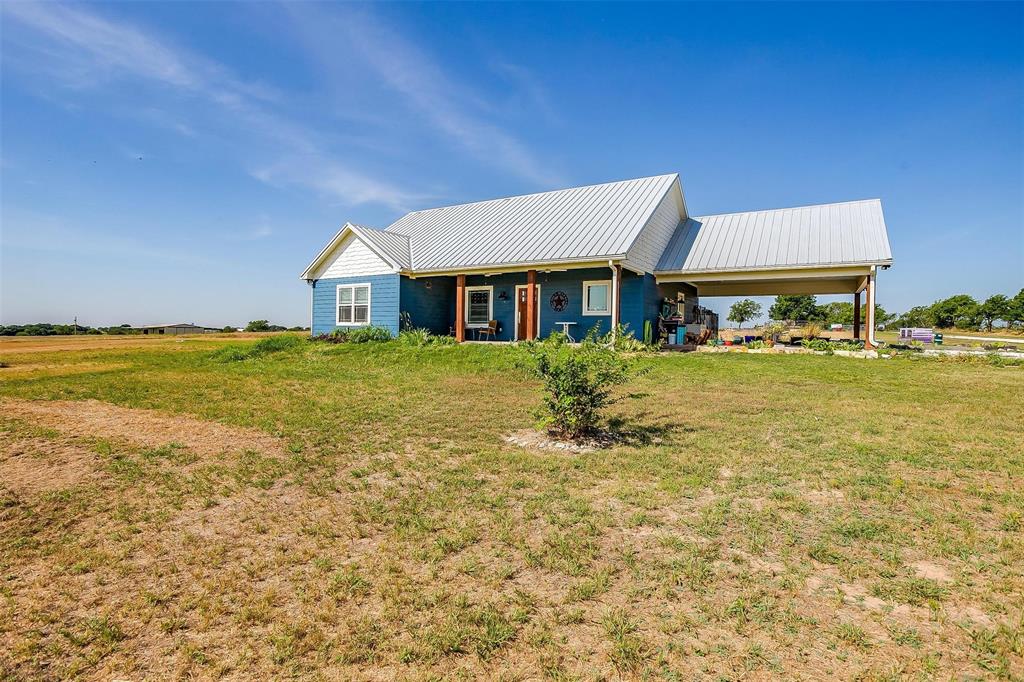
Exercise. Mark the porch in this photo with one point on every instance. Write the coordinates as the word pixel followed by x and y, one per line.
pixel 524 304
pixel 856 280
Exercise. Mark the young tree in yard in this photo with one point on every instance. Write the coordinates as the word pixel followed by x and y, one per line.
pixel 578 381
pixel 744 310
pixel 797 307
pixel 995 307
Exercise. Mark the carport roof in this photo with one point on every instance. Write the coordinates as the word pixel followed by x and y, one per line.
pixel 848 233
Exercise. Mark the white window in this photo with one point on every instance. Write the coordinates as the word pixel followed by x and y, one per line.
pixel 353 304
pixel 479 306
pixel 597 297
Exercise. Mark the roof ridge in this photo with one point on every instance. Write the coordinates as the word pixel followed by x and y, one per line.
pixel 537 194
pixel 788 208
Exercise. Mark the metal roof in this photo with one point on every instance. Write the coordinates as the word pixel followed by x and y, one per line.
pixel 852 232
pixel 582 223
pixel 392 245
pixel 172 324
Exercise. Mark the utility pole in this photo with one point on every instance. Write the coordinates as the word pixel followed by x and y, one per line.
pixel 76 326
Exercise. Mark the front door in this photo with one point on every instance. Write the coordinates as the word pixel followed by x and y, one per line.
pixel 521 299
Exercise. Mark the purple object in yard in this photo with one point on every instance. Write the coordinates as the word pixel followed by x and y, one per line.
pixel 917 334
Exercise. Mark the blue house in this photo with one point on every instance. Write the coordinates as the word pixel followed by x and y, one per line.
pixel 575 259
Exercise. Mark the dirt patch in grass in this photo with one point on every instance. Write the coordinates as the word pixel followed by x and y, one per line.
pixel 932 571
pixel 143 427
pixel 36 465
pixel 538 440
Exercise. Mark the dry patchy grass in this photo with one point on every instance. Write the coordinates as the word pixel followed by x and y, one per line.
pixel 356 512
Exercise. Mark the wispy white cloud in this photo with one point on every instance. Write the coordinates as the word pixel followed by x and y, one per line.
pixel 109 47
pixel 334 181
pixel 398 62
pixel 81 49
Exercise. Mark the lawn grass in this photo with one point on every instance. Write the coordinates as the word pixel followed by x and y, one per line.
pixel 791 516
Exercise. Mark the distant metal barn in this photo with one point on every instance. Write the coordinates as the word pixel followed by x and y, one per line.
pixel 176 329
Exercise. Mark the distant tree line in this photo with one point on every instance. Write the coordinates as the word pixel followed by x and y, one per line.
pixel 805 308
pixel 964 312
pixel 960 311
pixel 49 329
pixel 265 326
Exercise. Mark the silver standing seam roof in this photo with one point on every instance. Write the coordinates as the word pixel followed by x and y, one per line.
pixel 392 245
pixel 599 222
pixel 846 233
pixel 582 223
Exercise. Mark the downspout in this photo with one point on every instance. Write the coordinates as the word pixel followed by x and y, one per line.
pixel 872 323
pixel 614 299
pixel 312 290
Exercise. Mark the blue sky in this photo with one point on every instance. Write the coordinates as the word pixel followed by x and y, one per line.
pixel 184 161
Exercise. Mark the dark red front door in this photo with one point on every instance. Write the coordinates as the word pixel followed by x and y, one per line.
pixel 521 313
pixel 521 299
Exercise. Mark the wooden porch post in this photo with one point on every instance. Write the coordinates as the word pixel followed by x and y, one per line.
pixel 531 305
pixel 856 315
pixel 460 308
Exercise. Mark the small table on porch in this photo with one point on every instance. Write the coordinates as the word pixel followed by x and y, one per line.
pixel 565 330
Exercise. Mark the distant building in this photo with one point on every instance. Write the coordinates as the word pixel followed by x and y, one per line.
pixel 176 329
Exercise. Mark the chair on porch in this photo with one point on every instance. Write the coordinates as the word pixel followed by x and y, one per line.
pixel 490 331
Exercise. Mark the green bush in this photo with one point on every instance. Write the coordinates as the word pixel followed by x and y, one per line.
pixel 369 334
pixel 831 346
pixel 623 340
pixel 578 381
pixel 263 347
pixel 423 337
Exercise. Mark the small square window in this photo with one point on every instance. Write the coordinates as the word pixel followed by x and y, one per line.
pixel 597 297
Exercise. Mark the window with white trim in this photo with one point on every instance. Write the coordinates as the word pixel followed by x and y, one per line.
pixel 353 304
pixel 479 306
pixel 597 297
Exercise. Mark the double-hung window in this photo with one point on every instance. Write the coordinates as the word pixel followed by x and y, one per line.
pixel 353 304
pixel 479 306
pixel 597 297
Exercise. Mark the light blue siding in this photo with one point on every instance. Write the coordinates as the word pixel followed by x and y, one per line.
pixel 384 302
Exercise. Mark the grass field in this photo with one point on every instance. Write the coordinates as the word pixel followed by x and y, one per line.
pixel 343 512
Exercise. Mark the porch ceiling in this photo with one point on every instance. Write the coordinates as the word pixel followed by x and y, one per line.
pixel 773 282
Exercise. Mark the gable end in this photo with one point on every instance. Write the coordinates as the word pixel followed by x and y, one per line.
pixel 351 258
pixel 646 250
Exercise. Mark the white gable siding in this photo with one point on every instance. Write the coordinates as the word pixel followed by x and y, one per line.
pixel 657 232
pixel 353 258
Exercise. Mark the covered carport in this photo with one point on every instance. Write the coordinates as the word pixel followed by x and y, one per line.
pixel 821 249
